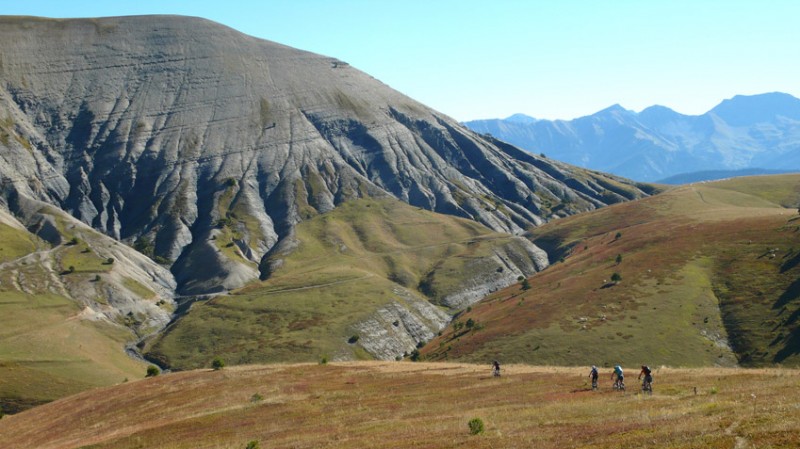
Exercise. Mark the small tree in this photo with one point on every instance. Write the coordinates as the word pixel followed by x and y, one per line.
pixel 110 261
pixel 618 236
pixel 526 285
pixel 615 278
pixel 619 259
pixel 470 323
pixel 475 426
pixel 153 371
pixel 414 355
pixel 217 364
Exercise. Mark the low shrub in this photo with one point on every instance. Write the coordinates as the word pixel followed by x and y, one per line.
pixel 475 426
pixel 217 364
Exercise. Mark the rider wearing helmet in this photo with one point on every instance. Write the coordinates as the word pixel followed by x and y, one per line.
pixel 647 373
pixel 496 368
pixel 618 372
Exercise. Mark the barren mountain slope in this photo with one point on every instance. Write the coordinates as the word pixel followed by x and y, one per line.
pixel 181 135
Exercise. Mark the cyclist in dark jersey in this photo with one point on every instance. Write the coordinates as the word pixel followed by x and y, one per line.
pixel 594 374
pixel 648 375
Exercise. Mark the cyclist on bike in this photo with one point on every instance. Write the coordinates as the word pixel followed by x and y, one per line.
pixel 496 368
pixel 620 377
pixel 594 374
pixel 648 377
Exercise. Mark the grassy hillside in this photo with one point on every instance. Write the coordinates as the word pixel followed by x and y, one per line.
pixel 423 405
pixel 54 340
pixel 50 348
pixel 346 265
pixel 708 277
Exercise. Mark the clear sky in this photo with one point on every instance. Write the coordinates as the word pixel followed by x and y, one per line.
pixel 492 58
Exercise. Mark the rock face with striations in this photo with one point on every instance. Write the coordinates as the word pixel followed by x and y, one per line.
pixel 203 147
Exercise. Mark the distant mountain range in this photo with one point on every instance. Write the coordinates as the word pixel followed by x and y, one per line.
pixel 658 144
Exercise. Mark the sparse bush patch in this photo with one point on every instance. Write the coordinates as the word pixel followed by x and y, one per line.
pixel 153 371
pixel 252 445
pixel 475 426
pixel 217 364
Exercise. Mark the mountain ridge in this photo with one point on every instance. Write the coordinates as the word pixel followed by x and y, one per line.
pixel 744 132
pixel 136 111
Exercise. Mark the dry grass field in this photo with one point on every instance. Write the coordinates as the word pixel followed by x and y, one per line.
pixel 419 405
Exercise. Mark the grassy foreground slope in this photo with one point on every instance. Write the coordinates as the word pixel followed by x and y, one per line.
pixel 346 264
pixel 709 276
pixel 422 405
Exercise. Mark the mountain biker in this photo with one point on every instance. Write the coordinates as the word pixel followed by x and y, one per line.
pixel 620 377
pixel 593 374
pixel 496 368
pixel 648 377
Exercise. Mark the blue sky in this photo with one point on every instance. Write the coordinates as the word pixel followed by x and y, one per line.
pixel 549 59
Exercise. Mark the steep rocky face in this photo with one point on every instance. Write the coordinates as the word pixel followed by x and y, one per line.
pixel 203 147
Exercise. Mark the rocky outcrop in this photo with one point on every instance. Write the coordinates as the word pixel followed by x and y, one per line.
pixel 109 280
pixel 509 262
pixel 396 329
pixel 203 147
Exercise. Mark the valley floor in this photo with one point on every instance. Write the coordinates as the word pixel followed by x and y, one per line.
pixel 420 405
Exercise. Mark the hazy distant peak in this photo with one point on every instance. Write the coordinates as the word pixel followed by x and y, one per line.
pixel 658 114
pixel 657 109
pixel 750 109
pixel 614 109
pixel 520 118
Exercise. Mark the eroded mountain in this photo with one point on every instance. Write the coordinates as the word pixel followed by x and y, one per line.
pixel 137 126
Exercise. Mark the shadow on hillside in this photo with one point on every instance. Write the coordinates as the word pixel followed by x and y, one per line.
pixel 792 346
pixel 791 263
pixel 791 293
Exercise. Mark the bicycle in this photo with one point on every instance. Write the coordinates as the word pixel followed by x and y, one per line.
pixel 647 387
pixel 496 372
pixel 619 385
